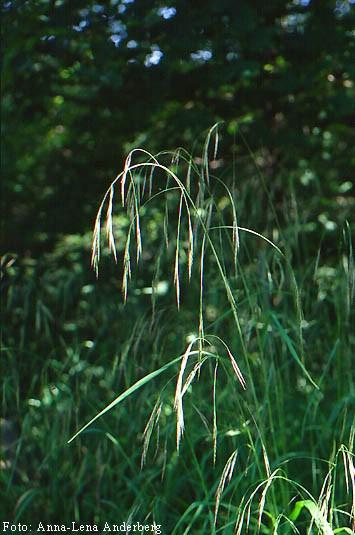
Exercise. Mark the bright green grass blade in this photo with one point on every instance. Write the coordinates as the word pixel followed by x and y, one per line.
pixel 128 392
pixel 316 514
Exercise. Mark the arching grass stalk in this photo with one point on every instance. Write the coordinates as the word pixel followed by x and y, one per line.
pixel 132 198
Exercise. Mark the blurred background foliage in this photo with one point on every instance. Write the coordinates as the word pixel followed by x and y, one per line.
pixel 85 82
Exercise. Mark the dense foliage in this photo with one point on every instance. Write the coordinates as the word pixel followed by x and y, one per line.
pixel 86 82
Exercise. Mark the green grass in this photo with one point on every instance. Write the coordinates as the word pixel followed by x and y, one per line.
pixel 215 396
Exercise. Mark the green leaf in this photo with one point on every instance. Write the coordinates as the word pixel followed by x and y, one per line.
pixel 126 393
pixel 316 514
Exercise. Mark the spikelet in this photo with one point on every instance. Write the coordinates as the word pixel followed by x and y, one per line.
pixel 95 254
pixel 147 433
pixel 179 395
pixel 226 477
pixel 177 255
pixel 126 268
pixel 109 225
pixel 124 176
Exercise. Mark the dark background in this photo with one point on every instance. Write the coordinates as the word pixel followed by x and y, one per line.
pixel 84 82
